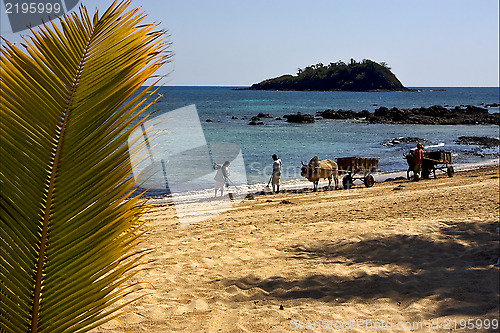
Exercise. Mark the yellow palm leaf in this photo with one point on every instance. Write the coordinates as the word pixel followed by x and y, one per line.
pixel 69 223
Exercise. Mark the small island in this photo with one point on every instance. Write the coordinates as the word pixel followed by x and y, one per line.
pixel 339 76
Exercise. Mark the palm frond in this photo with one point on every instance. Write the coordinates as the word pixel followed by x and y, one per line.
pixel 68 221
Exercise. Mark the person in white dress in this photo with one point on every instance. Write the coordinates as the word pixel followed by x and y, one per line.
pixel 276 173
pixel 221 177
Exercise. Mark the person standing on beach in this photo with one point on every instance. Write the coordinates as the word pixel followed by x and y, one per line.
pixel 418 156
pixel 221 177
pixel 276 173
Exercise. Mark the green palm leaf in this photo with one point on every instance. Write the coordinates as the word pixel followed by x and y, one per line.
pixel 69 223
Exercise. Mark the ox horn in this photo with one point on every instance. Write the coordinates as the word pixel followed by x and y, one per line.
pixel 302 163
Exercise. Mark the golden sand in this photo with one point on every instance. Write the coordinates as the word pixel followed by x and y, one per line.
pixel 418 254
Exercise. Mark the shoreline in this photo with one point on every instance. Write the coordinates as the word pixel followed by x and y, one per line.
pixel 297 185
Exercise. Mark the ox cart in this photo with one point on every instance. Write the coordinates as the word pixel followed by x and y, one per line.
pixel 437 160
pixel 350 166
pixel 432 161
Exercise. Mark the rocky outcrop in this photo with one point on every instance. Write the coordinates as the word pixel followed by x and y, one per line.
pixel 344 114
pixel 299 118
pixel 479 141
pixel 434 115
pixel 400 140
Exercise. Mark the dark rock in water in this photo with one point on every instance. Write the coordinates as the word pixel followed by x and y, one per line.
pixel 299 118
pixel 381 112
pixel 475 110
pixel 346 114
pixel 364 114
pixel 234 117
pixel 434 115
pixel 255 123
pixel 340 114
pixel 208 120
pixel 397 141
pixel 478 140
pixel 256 118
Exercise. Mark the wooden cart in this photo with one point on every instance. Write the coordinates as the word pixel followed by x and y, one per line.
pixel 350 166
pixel 437 160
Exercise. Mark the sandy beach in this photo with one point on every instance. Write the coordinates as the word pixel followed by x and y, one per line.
pixel 399 256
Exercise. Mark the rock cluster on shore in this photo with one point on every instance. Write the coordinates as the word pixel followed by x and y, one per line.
pixel 433 115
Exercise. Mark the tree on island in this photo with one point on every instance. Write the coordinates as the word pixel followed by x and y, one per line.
pixel 355 76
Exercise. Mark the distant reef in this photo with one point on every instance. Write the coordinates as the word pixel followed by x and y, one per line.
pixel 339 76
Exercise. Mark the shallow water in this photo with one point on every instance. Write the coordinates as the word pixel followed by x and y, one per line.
pixel 229 112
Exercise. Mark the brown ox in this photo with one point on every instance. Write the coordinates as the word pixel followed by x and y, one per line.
pixel 316 170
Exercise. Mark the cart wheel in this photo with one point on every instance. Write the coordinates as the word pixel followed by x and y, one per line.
pixel 450 171
pixel 347 181
pixel 369 181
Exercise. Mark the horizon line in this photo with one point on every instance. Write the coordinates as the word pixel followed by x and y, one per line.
pixel 235 85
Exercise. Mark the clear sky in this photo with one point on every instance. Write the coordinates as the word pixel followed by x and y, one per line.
pixel 427 43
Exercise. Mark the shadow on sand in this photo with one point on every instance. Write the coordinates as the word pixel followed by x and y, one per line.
pixel 457 268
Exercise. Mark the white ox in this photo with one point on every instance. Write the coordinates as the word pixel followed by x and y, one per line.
pixel 316 170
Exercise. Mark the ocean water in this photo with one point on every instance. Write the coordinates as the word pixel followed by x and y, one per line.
pixel 228 112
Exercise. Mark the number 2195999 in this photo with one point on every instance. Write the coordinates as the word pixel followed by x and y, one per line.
pixel 470 324
pixel 32 8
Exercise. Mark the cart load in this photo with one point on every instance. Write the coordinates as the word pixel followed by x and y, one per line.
pixel 350 166
pixel 437 160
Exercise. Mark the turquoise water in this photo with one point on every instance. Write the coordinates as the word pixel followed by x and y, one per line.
pixel 326 138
